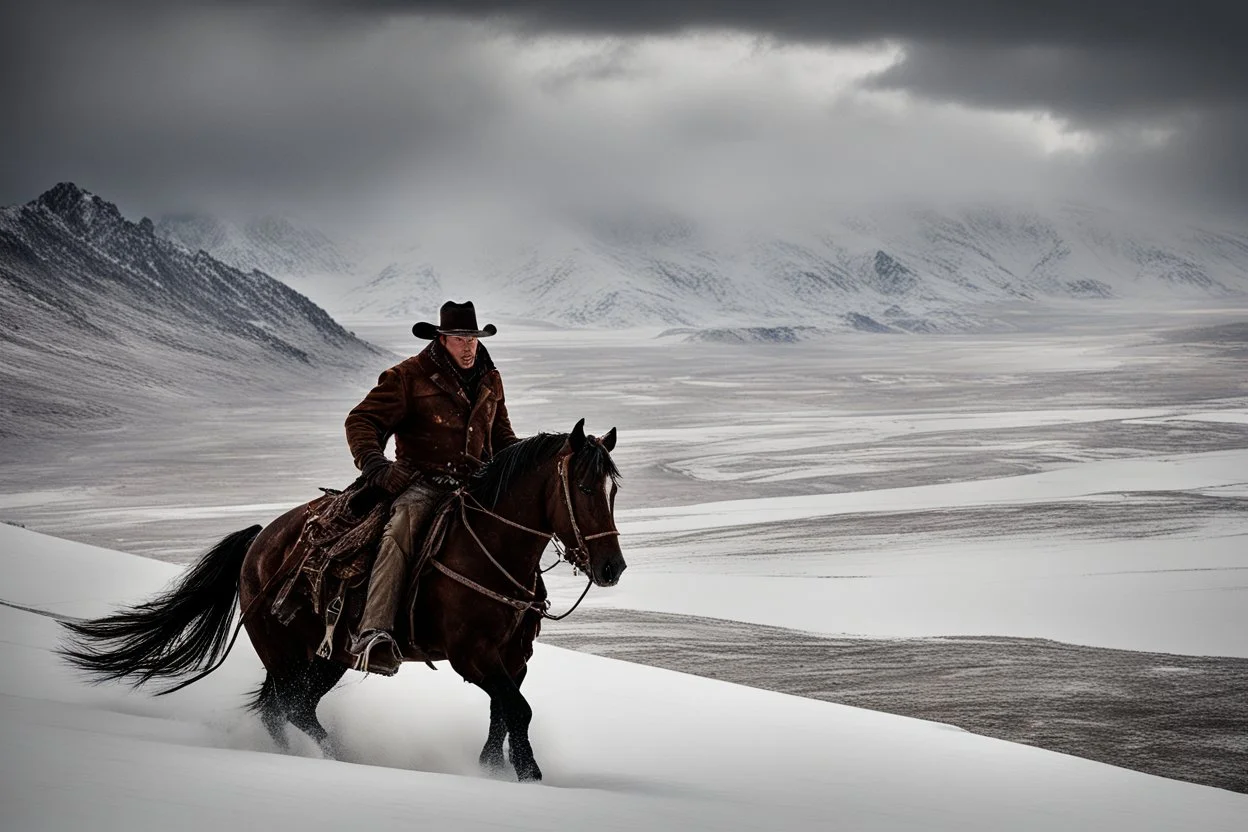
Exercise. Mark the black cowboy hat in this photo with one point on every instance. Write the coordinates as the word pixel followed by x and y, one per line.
pixel 454 319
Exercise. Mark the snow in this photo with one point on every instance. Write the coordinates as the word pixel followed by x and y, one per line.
pixel 1006 486
pixel 1184 595
pixel 70 578
pixel 1083 488
pixel 828 427
pixel 1225 417
pixel 109 323
pixel 1083 484
pixel 1181 472
pixel 623 747
pixel 891 268
pixel 772 561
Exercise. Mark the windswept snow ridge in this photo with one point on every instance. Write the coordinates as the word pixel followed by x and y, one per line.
pixel 641 748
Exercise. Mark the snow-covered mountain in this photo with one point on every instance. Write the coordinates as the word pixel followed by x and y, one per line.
pixel 888 270
pixel 400 289
pixel 909 269
pixel 296 253
pixel 272 244
pixel 100 318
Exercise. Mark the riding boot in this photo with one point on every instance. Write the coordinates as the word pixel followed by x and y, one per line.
pixel 388 580
pixel 375 646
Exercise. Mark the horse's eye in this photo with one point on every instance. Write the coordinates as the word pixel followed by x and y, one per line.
pixel 586 490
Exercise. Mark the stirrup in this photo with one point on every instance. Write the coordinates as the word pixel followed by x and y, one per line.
pixel 364 645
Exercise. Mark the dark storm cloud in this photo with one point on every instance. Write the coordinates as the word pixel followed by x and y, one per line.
pixel 1062 53
pixel 151 102
pixel 966 21
pixel 139 100
pixel 1092 84
pixel 1173 64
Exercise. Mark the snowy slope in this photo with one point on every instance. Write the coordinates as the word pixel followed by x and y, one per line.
pixel 623 747
pixel 100 318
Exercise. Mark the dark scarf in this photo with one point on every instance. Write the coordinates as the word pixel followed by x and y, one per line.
pixel 469 379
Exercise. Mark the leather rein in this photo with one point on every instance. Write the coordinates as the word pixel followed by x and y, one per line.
pixel 577 556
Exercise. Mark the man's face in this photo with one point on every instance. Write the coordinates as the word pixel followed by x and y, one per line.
pixel 463 350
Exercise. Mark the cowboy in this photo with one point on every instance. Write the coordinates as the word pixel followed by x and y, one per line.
pixel 446 411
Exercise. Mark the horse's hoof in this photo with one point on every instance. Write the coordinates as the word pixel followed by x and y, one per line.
pixel 493 764
pixel 529 773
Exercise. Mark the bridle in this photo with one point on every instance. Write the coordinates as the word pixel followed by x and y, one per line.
pixel 577 555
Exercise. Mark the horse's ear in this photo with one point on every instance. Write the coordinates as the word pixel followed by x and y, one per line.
pixel 608 441
pixel 577 437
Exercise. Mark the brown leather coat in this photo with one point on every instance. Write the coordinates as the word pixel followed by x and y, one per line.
pixel 436 428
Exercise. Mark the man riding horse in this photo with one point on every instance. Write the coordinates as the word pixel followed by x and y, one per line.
pixel 446 411
pixel 480 604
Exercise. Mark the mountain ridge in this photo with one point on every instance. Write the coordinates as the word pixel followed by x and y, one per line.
pixel 101 318
pixel 908 269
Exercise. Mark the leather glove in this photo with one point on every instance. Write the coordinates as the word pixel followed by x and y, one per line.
pixel 375 470
pixel 397 477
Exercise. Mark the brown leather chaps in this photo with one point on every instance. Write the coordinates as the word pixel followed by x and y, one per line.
pixel 400 542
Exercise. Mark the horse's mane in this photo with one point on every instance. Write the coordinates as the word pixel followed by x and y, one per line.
pixel 494 478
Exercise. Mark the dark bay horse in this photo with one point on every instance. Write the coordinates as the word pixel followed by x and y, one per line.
pixel 478 608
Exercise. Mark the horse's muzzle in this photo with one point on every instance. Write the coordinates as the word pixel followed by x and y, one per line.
pixel 609 574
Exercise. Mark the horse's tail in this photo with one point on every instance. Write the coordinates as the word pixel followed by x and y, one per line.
pixel 180 632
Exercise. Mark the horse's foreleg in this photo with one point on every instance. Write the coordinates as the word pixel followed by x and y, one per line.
pixel 515 714
pixel 492 754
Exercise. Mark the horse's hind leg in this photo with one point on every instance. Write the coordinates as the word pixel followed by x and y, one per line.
pixel 268 704
pixel 317 679
pixel 292 694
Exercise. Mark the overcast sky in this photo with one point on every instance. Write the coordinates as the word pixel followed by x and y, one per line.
pixel 349 108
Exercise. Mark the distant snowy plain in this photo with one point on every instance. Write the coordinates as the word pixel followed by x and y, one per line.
pixel 1084 486
pixel 1089 486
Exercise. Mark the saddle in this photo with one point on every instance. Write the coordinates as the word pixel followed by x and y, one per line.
pixel 328 567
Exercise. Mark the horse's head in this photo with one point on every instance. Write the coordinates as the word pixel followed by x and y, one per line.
pixel 585 514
